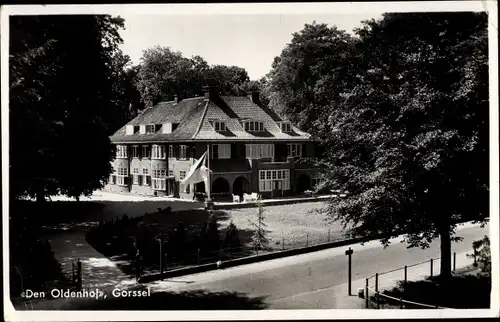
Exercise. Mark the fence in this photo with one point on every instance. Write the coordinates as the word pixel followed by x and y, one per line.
pixel 374 298
pixel 170 261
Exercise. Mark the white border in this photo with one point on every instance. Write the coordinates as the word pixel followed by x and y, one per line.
pixel 267 8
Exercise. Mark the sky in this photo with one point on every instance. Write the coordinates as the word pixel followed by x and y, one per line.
pixel 247 41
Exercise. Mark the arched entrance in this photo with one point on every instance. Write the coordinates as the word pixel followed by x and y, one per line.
pixel 303 183
pixel 240 186
pixel 220 188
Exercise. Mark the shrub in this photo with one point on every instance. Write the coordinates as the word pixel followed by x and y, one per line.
pixel 482 255
pixel 32 262
pixel 232 238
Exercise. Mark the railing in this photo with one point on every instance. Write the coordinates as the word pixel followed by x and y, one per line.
pixel 172 261
pixel 402 303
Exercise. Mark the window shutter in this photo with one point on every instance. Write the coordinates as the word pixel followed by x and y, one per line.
pixel 176 151
pixel 304 150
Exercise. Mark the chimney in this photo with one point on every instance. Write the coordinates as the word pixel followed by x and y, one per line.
pixel 254 96
pixel 210 91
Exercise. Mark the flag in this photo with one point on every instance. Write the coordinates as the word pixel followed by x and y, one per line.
pixel 197 173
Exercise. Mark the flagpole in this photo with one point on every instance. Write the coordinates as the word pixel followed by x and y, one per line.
pixel 208 173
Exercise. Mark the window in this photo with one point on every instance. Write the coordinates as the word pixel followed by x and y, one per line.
pixel 219 126
pixel 146 151
pixel 159 181
pixel 286 127
pixel 253 126
pixel 221 151
pixel 268 178
pixel 135 151
pixel 159 173
pixel 294 150
pixel 121 151
pixel 159 152
pixel 182 175
pixel 151 128
pixel 183 151
pixel 122 177
pixel 171 151
pixel 122 172
pixel 256 151
pixel 170 172
pixel 146 178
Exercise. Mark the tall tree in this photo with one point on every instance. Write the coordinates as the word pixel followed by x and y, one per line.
pixel 229 79
pixel 410 140
pixel 259 236
pixel 160 75
pixel 164 73
pixel 61 87
pixel 308 74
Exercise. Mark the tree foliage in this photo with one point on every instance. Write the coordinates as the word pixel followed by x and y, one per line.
pixel 232 237
pixel 164 73
pixel 62 88
pixel 308 74
pixel 409 141
pixel 259 237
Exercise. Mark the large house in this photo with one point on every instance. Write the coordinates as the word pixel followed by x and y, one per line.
pixel 252 149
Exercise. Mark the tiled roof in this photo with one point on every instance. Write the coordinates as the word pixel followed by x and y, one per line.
pixel 188 113
pixel 195 114
pixel 233 109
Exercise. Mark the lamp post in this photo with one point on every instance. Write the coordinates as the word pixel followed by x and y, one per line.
pixel 161 239
pixel 349 253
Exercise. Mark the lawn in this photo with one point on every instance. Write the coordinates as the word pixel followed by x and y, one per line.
pixel 296 224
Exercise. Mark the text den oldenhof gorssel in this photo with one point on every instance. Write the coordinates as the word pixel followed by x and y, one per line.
pixel 58 293
pixel 91 294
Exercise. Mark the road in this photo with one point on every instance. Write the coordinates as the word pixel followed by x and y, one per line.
pixel 309 280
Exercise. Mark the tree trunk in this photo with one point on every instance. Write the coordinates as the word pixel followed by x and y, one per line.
pixel 445 237
pixel 40 196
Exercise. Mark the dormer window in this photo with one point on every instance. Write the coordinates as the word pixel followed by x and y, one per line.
pixel 286 127
pixel 253 126
pixel 150 128
pixel 219 126
pixel 129 130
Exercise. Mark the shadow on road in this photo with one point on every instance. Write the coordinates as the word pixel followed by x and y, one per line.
pixel 187 300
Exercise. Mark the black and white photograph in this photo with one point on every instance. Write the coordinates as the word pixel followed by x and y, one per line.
pixel 250 161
